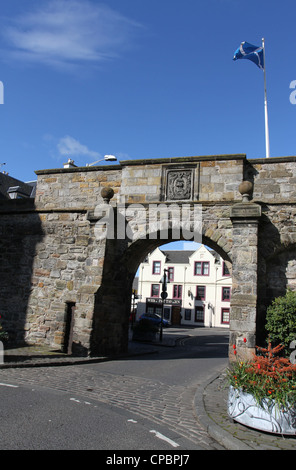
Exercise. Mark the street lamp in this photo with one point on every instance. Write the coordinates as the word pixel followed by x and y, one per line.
pixel 164 281
pixel 107 158
pixel 134 297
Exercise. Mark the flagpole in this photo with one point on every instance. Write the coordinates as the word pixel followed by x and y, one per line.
pixel 265 106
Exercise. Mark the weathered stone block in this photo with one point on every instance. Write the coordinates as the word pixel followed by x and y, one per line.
pixel 82 240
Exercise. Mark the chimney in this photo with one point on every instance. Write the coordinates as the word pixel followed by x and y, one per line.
pixel 70 164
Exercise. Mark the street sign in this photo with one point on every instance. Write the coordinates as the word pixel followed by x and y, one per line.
pixel 157 300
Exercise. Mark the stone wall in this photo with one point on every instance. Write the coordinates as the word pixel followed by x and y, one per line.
pixel 67 269
pixel 20 233
pixel 212 178
pixel 274 179
pixel 75 188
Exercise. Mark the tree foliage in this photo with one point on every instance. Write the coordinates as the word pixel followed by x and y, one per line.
pixel 281 320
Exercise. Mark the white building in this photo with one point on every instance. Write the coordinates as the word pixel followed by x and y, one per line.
pixel 198 291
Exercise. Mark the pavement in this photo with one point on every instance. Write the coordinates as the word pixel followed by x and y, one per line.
pixel 210 398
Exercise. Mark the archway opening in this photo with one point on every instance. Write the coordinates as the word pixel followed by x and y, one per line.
pixel 198 289
pixel 114 300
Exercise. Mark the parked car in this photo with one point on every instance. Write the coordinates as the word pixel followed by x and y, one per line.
pixel 154 318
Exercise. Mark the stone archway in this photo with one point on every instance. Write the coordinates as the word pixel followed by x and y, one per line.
pixel 231 230
pixel 122 258
pixel 246 223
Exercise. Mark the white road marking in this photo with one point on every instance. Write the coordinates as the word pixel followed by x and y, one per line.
pixel 9 385
pixel 132 421
pixel 164 438
pixel 79 401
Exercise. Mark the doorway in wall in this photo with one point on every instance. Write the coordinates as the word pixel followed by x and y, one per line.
pixel 69 325
pixel 176 315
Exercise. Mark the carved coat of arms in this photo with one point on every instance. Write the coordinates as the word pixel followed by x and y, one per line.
pixel 179 185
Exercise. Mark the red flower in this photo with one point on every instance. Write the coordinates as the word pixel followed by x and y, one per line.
pixel 258 365
pixel 234 346
pixel 245 340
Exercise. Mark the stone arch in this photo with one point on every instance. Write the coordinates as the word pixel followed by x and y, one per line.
pixel 281 271
pixel 216 232
pixel 140 249
pixel 113 298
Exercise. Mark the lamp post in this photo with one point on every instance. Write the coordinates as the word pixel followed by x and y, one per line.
pixel 134 297
pixel 107 158
pixel 164 295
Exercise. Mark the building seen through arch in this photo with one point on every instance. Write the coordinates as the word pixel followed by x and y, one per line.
pixel 198 289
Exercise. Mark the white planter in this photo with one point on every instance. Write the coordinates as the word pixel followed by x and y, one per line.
pixel 243 408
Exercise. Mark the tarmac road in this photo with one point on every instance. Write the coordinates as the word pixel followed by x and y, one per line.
pixel 45 419
pixel 140 403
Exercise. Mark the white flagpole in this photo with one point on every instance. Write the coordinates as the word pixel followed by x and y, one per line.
pixel 265 106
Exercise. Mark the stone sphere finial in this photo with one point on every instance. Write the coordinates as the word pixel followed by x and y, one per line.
pixel 107 193
pixel 246 190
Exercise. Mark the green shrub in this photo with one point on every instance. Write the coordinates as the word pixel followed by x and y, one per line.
pixel 281 320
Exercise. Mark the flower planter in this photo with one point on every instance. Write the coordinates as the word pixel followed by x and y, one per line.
pixel 243 408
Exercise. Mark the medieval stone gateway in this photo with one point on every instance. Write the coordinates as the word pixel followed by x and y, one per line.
pixel 68 257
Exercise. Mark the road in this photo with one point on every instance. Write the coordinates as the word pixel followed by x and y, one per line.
pixel 140 403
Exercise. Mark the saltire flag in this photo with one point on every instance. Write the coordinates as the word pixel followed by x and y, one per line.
pixel 253 53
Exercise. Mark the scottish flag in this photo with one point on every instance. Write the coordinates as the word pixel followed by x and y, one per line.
pixel 253 53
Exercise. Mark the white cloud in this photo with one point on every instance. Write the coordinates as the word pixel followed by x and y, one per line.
pixel 70 147
pixel 69 32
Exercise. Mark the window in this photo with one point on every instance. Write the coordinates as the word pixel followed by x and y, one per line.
pixel 177 291
pixel 153 309
pixel 155 290
pixel 197 268
pixel 201 268
pixel 200 292
pixel 170 274
pixel 225 270
pixel 166 313
pixel 199 314
pixel 187 314
pixel 225 314
pixel 156 267
pixel 226 293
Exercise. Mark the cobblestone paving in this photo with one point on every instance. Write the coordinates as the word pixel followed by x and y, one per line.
pixel 171 406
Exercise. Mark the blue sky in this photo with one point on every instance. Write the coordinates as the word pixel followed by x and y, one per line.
pixel 142 79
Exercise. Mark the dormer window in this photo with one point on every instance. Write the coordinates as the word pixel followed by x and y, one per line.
pixel 15 192
pixel 156 267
